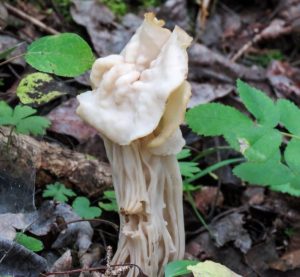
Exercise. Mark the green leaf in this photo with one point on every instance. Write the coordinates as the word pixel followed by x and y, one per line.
pixel 289 116
pixel 270 172
pixel 292 155
pixel 65 55
pixel 35 125
pixel 59 192
pixel 188 169
pixel 178 268
pixel 6 114
pixel 81 206
pixel 188 187
pixel 183 154
pixel 264 147
pixel 259 104
pixel 30 243
pixel 292 188
pixel 215 119
pixel 112 205
pixel 39 88
pixel 23 119
pixel 211 269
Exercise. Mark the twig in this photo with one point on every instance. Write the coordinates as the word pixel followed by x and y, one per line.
pixel 95 220
pixel 100 268
pixel 12 58
pixel 31 19
pixel 246 47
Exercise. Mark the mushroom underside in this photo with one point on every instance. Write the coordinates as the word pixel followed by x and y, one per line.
pixel 149 194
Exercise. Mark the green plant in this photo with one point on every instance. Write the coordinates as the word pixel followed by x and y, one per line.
pixel 259 140
pixel 82 206
pixel 30 243
pixel 265 59
pixel 59 192
pixel 118 7
pixel 110 203
pixel 178 268
pixel 22 119
pixel 66 55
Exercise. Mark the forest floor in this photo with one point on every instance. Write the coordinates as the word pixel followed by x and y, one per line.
pixel 256 231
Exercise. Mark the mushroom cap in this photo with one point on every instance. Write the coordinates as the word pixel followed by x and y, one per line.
pixel 142 89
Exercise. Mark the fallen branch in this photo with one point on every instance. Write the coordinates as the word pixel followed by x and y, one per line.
pixel 55 162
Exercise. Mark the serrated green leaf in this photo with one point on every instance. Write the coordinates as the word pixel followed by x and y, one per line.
pixel 5 109
pixel 6 114
pixel 270 172
pixel 215 119
pixel 21 112
pixel 81 206
pixel 289 116
pixel 264 147
pixel 259 104
pixel 30 243
pixel 188 169
pixel 65 55
pixel 39 88
pixel 183 154
pixel 35 125
pixel 59 192
pixel 292 155
pixel 188 187
pixel 178 268
pixel 292 188
pixel 23 119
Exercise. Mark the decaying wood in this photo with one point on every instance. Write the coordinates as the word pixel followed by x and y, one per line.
pixel 54 162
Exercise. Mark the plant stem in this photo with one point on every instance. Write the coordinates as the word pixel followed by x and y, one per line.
pixel 213 168
pixel 191 201
pixel 290 135
pixel 209 151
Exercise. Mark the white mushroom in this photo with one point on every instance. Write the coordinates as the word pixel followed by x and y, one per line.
pixel 138 101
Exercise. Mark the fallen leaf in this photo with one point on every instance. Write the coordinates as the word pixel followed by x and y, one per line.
pixel 206 197
pixel 204 63
pixel 230 228
pixel 16 260
pixel 107 35
pixel 288 261
pixel 64 263
pixel 204 93
pixel 64 120
pixel 211 269
pixel 284 79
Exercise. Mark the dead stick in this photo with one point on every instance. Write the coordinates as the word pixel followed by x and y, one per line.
pixel 31 19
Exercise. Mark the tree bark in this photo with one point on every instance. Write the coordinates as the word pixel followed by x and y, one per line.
pixel 54 162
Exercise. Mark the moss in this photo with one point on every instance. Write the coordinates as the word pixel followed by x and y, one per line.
pixel 118 7
pixel 150 3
